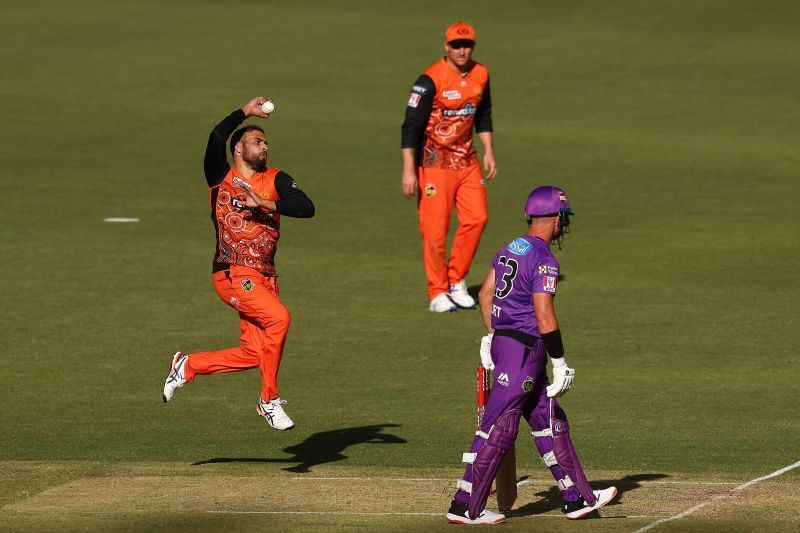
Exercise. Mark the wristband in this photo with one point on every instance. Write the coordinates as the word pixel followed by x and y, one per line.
pixel 553 344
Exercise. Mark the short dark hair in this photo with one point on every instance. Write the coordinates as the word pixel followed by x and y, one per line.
pixel 238 134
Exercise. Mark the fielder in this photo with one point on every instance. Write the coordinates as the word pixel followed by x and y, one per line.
pixel 446 102
pixel 247 201
pixel 516 302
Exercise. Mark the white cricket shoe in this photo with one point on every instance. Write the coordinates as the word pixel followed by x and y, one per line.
pixel 442 304
pixel 460 296
pixel 176 377
pixel 274 413
pixel 579 509
pixel 457 514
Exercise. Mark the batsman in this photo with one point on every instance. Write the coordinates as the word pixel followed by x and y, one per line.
pixel 516 302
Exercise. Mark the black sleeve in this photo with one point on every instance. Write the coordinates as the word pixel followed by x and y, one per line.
pixel 418 111
pixel 215 163
pixel 293 201
pixel 483 115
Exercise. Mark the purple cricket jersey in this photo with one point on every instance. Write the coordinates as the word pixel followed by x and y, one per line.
pixel 522 268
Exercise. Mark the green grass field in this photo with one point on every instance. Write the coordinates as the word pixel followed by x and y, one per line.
pixel 673 126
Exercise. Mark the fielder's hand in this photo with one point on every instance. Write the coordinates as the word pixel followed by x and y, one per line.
pixel 486 352
pixel 562 378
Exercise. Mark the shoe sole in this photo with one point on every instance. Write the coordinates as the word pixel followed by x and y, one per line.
pixel 586 510
pixel 264 416
pixel 171 370
pixel 455 519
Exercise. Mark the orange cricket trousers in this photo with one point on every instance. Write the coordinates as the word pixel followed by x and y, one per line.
pixel 264 323
pixel 439 190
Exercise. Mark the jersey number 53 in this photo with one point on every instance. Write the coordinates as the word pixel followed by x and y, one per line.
pixel 508 277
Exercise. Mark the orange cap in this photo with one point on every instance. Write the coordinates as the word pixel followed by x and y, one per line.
pixel 460 31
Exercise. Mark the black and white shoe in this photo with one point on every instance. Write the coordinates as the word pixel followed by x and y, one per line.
pixel 273 412
pixel 579 509
pixel 458 515
pixel 176 377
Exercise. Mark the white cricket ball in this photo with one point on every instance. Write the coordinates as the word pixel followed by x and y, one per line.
pixel 268 107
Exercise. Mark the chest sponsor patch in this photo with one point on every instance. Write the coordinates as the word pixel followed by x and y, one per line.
pixel 519 246
pixel 413 99
pixel 549 283
pixel 467 110
pixel 453 94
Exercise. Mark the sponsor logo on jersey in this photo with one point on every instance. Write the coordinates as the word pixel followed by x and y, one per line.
pixel 234 302
pixel 468 109
pixel 453 94
pixel 549 283
pixel 519 246
pixel 527 385
pixel 496 310
pixel 413 100
pixel 502 379
pixel 430 190
pixel 548 269
pixel 419 89
pixel 247 285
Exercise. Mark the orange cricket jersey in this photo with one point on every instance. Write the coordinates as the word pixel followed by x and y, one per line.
pixel 245 236
pixel 448 134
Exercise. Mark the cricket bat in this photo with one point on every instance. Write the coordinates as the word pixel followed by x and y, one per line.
pixel 506 480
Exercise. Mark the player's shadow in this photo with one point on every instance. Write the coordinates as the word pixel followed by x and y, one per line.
pixel 551 498
pixel 320 448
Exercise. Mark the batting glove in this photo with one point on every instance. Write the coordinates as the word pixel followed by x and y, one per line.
pixel 562 378
pixel 486 352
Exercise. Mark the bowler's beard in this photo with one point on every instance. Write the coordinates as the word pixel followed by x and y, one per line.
pixel 256 159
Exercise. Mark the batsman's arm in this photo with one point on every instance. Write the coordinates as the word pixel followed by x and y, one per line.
pixel 545 312
pixel 485 299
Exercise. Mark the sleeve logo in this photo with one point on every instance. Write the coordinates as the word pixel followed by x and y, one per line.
pixel 413 99
pixel 419 89
pixel 549 284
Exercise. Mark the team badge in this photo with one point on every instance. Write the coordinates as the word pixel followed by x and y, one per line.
pixel 247 285
pixel 478 90
pixel 430 190
pixel 527 385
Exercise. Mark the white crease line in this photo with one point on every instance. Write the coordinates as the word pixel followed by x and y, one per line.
pixel 372 479
pixel 364 513
pixel 327 513
pixel 520 483
pixel 120 219
pixel 645 482
pixel 719 497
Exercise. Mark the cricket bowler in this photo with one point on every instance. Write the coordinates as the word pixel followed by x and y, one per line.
pixel 516 303
pixel 247 202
